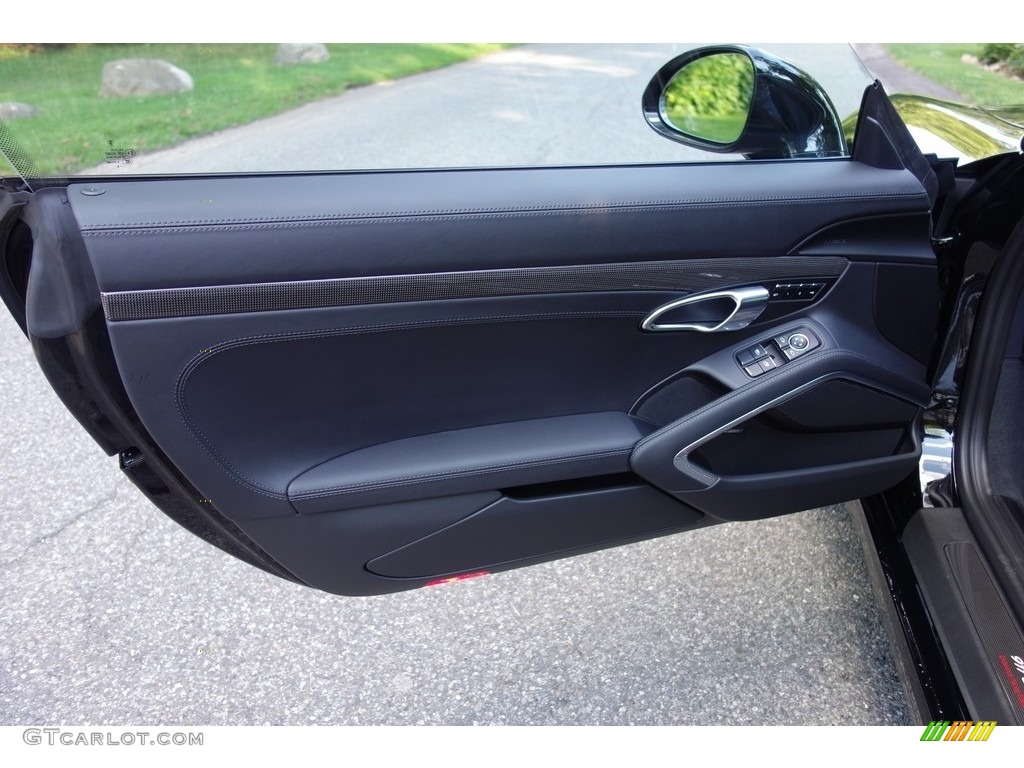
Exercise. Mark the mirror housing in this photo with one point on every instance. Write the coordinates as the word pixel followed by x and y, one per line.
pixel 789 114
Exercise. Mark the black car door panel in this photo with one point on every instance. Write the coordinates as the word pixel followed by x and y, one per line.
pixel 226 231
pixel 388 378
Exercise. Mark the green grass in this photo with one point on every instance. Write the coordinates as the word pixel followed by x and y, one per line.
pixel 941 62
pixel 234 84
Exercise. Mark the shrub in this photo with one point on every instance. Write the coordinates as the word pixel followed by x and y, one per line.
pixel 1015 62
pixel 994 53
pixel 1009 55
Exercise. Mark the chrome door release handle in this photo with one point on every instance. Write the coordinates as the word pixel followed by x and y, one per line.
pixel 747 304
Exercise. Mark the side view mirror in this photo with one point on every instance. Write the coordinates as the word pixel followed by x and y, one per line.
pixel 735 99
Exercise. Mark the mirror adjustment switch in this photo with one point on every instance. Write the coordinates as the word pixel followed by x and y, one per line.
pixel 801 341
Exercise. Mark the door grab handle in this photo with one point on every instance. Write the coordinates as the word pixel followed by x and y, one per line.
pixel 748 303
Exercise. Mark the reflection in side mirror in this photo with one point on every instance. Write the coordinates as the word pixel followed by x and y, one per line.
pixel 730 98
pixel 710 97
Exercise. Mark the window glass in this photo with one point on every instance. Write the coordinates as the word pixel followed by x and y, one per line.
pixel 162 108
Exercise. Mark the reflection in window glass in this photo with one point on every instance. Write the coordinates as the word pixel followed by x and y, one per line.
pixel 710 98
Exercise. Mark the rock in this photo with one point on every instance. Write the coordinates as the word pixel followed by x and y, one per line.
pixel 301 53
pixel 142 77
pixel 15 110
pixel 968 58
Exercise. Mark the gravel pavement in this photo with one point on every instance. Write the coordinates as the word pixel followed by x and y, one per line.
pixel 111 614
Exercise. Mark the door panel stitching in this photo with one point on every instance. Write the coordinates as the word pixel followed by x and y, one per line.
pixel 144 228
pixel 339 490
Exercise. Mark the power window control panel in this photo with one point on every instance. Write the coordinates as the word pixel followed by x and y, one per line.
pixel 775 352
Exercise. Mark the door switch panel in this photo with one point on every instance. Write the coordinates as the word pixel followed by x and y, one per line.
pixel 777 351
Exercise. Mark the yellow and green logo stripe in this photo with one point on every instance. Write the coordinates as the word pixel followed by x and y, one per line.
pixel 959 730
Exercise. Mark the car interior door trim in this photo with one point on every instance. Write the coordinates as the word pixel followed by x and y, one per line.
pixel 685 275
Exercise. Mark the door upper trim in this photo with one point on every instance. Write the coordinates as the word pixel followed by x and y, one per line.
pixel 687 276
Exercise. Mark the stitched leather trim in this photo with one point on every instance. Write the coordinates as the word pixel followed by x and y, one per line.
pixel 340 490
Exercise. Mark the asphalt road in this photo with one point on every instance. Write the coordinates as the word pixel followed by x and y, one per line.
pixel 111 614
pixel 896 78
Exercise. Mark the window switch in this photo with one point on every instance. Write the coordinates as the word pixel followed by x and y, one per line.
pixel 753 370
